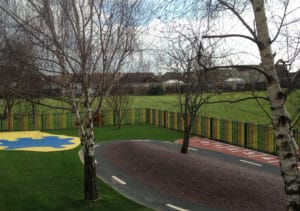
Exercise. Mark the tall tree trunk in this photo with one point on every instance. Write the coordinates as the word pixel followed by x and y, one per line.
pixel 285 143
pixel 90 188
pixel 186 135
pixel 119 118
pixel 87 138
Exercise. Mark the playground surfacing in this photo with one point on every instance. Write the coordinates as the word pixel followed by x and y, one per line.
pixel 36 141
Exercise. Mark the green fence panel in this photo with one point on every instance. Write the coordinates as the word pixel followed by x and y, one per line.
pixel 205 126
pixel 171 120
pixel 247 131
pixel 229 132
pixel 138 116
pixel 261 138
pixel 235 133
pixel 252 136
pixel 159 114
pixel 70 120
pixel 156 120
pixel 178 121
pixel 131 119
pixel 223 131
pixel 155 117
pixel 215 128
pixel 56 121
pixel 270 140
pixel 125 117
pixel 153 113
pixel 16 122
pixel 150 116
pixel 30 119
pixel 143 115
pixel 147 120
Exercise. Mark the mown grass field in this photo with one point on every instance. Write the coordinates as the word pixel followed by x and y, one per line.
pixel 252 110
pixel 257 111
pixel 54 181
pixel 242 111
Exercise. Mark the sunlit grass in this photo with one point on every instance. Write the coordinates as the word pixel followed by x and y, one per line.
pixel 252 110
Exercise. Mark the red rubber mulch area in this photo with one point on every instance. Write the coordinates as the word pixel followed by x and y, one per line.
pixel 193 177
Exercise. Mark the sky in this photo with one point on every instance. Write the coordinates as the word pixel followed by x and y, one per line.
pixel 168 15
pixel 161 27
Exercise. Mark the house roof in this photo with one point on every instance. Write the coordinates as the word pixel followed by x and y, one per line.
pixel 171 76
pixel 139 77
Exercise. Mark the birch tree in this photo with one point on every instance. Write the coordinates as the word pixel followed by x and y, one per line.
pixel 259 34
pixel 285 143
pixel 79 46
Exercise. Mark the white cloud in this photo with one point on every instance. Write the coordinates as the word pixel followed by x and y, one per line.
pixel 243 51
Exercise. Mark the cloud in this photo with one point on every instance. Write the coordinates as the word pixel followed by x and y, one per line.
pixel 156 34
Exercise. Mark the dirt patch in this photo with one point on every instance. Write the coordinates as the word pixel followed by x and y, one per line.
pixel 196 178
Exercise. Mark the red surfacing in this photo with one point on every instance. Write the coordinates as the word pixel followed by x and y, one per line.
pixel 204 143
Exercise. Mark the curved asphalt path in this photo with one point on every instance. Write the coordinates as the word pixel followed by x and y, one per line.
pixel 142 194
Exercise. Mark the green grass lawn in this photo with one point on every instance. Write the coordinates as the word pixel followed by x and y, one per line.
pixel 54 180
pixel 246 111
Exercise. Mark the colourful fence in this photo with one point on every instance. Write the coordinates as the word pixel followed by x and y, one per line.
pixel 19 122
pixel 131 116
pixel 248 135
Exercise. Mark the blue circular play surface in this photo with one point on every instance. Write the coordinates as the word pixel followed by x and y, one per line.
pixel 36 141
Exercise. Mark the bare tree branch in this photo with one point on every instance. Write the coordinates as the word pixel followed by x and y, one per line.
pixel 230 35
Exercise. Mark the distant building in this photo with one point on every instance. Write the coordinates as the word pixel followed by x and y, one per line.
pixel 139 79
pixel 172 82
pixel 244 78
pixel 234 83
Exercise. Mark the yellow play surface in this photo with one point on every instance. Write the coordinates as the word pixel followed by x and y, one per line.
pixel 36 141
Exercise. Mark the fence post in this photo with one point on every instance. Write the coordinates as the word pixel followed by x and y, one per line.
pixel 246 135
pixel 211 133
pixel 42 121
pixel 147 116
pixel 165 118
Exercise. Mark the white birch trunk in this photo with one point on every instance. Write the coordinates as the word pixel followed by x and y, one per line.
pixel 285 143
pixel 87 138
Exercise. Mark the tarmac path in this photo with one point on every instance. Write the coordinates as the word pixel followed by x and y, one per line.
pixel 138 191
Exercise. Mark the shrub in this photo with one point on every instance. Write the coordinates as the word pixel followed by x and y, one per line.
pixel 156 89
